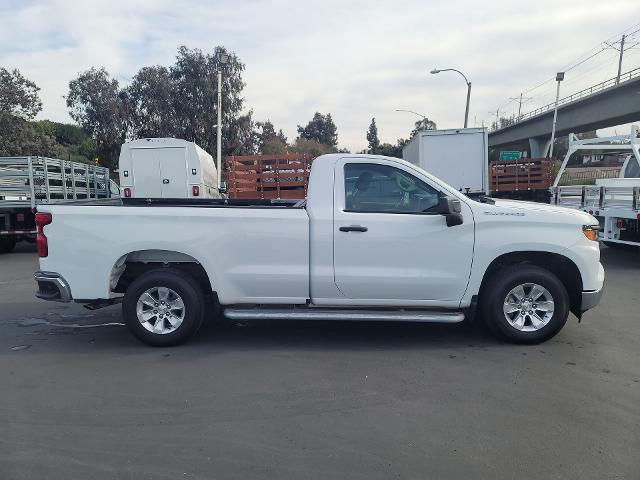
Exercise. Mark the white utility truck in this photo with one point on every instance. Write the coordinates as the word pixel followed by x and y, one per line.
pixel 615 202
pixel 458 156
pixel 167 168
pixel 377 238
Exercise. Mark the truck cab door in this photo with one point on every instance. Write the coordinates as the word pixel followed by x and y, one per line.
pixel 391 247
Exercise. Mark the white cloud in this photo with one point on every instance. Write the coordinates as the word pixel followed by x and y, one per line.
pixel 354 59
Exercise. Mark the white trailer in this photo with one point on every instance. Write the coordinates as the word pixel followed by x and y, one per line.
pixel 167 168
pixel 615 202
pixel 457 156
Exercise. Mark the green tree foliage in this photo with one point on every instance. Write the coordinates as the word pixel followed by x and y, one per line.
pixel 389 150
pixel 421 125
pixel 372 137
pixel 322 129
pixel 19 102
pixel 73 142
pixel 150 103
pixel 311 146
pixel 98 105
pixel 177 101
pixel 194 98
pixel 18 95
pixel 269 141
pixel 18 137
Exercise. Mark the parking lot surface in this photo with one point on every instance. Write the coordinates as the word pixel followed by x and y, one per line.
pixel 81 398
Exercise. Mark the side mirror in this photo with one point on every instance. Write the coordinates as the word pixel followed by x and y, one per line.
pixel 451 208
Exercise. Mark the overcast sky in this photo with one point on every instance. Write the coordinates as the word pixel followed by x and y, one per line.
pixel 353 59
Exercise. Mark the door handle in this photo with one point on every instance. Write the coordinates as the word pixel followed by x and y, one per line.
pixel 165 180
pixel 353 228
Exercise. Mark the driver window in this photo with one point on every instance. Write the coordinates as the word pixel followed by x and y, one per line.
pixel 371 187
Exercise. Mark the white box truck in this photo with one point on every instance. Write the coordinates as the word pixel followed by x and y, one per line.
pixel 457 156
pixel 167 168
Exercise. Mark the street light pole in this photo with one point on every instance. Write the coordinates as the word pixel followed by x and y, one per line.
pixel 559 78
pixel 223 60
pixel 424 117
pixel 466 110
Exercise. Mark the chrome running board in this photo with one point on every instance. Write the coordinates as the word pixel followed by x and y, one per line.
pixel 235 313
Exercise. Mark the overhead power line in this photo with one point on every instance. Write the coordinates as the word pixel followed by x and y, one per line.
pixel 585 57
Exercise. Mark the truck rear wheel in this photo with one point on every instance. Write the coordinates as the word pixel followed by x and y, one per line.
pixel 163 307
pixel 7 245
pixel 525 304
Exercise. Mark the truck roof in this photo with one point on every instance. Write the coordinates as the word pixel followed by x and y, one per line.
pixel 157 142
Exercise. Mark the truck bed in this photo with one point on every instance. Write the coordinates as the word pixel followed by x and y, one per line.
pixel 187 202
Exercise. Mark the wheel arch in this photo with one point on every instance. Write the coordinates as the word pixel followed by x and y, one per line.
pixel 131 265
pixel 561 266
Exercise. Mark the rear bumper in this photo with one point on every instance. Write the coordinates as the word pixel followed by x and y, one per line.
pixel 52 286
pixel 590 299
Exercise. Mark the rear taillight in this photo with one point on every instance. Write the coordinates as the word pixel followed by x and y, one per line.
pixel 42 219
pixel 127 193
pixel 195 190
pixel 620 223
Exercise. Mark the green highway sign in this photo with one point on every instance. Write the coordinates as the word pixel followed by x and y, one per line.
pixel 510 155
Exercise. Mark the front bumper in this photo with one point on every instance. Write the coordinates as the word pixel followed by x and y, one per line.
pixel 52 286
pixel 590 299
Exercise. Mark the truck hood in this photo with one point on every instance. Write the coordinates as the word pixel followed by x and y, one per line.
pixel 514 207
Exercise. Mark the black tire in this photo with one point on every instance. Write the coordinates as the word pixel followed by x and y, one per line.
pixel 7 245
pixel 497 288
pixel 188 290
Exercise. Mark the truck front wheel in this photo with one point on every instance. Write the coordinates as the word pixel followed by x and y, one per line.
pixel 524 304
pixel 163 307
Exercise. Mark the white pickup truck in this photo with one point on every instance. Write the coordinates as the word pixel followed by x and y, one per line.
pixel 376 239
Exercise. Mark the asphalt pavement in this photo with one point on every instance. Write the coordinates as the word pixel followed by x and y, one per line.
pixel 81 398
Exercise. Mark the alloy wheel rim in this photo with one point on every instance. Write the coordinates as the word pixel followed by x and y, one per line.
pixel 160 310
pixel 528 307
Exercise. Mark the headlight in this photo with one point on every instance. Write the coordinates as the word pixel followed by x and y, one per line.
pixel 591 232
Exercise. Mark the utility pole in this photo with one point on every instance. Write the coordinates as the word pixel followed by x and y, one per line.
pixel 520 101
pixel 219 129
pixel 620 59
pixel 559 78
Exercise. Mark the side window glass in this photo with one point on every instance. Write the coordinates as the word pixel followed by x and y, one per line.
pixel 632 170
pixel 371 187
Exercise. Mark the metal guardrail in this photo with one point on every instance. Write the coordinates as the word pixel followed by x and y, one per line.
pixel 612 82
pixel 29 181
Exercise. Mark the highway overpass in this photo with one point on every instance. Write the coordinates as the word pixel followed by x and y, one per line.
pixel 603 105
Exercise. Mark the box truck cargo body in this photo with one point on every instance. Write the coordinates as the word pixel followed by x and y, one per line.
pixel 167 168
pixel 457 156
